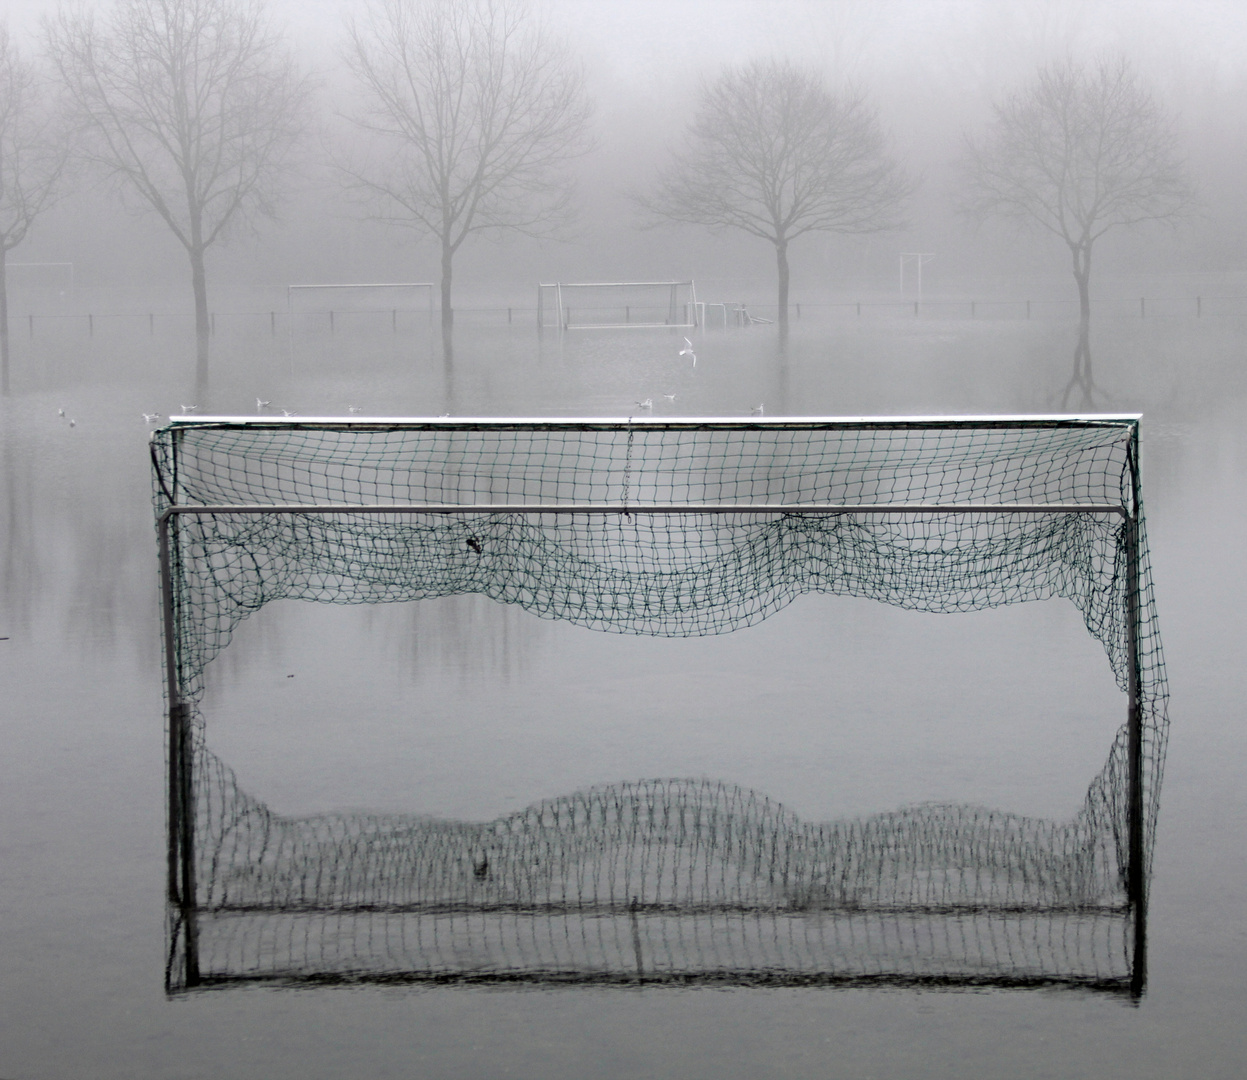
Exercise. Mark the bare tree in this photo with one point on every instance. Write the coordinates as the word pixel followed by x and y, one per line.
pixel 1077 152
pixel 194 106
pixel 774 153
pixel 32 159
pixel 473 111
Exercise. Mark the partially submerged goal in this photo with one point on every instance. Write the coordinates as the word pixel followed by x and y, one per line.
pixel 673 528
pixel 617 305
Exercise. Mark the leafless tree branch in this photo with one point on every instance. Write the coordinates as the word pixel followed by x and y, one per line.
pixel 32 163
pixel 193 106
pixel 774 153
pixel 1079 151
pixel 473 112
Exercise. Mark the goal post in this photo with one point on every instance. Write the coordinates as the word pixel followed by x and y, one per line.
pixel 617 305
pixel 663 527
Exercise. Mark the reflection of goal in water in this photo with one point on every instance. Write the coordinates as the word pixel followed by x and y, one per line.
pixel 617 305
pixel 318 308
pixel 672 528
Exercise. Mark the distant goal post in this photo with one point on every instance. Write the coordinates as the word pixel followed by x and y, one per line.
pixel 617 305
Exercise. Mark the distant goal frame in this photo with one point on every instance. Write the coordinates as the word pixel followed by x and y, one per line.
pixel 181 885
pixel 681 314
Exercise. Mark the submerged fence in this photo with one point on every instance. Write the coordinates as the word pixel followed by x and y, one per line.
pixel 331 321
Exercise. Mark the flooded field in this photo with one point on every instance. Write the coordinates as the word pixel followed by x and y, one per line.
pixel 463 709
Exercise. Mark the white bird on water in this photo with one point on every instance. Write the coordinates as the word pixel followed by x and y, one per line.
pixel 189 408
pixel 757 410
pixel 688 351
pixel 669 397
pixel 60 413
pixel 261 404
pixel 648 403
pixel 151 417
pixel 288 412
pixel 353 409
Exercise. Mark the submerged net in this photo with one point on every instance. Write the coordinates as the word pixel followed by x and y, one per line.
pixel 978 542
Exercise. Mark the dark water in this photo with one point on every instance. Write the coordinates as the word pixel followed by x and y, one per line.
pixel 460 708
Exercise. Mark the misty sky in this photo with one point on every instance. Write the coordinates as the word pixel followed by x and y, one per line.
pixel 932 67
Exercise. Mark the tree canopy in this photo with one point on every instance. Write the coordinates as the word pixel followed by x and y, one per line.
pixel 473 111
pixel 1079 151
pixel 773 152
pixel 194 106
pixel 32 159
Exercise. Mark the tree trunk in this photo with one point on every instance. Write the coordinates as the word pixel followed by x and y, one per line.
pixel 781 258
pixel 1081 255
pixel 448 312
pixel 4 320
pixel 199 282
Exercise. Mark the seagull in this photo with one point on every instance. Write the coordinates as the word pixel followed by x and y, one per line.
pixel 688 351
pixel 669 397
pixel 353 408
pixel 60 413
pixel 73 423
pixel 757 409
pixel 189 408
pixel 288 412
pixel 260 404
pixel 151 417
pixel 648 403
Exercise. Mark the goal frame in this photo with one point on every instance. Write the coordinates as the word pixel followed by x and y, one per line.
pixel 181 885
pixel 563 309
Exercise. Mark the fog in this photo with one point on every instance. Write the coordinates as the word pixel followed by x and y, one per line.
pixel 461 714
pixel 932 69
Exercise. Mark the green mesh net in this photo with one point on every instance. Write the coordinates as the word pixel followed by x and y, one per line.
pixel 673 528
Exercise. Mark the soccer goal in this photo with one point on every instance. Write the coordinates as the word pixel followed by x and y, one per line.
pixel 320 306
pixel 670 528
pixel 617 305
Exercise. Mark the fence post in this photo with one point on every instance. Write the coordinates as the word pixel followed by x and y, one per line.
pixel 90 325
pixel 915 307
pixel 798 311
pixel 151 323
pixel 331 321
pixel 32 328
pixel 1142 308
pixel 1199 307
pixel 859 308
pixel 394 320
pixel 272 323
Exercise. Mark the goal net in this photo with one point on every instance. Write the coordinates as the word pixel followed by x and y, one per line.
pixel 635 305
pixel 320 307
pixel 670 528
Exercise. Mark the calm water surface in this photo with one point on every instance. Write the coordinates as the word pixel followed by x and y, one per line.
pixel 462 708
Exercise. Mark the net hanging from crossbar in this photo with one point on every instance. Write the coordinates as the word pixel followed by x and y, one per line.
pixel 668 528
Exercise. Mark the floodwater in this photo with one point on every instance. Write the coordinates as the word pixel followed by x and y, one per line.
pixel 464 709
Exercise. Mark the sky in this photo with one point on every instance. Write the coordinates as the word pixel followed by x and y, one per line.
pixel 933 67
